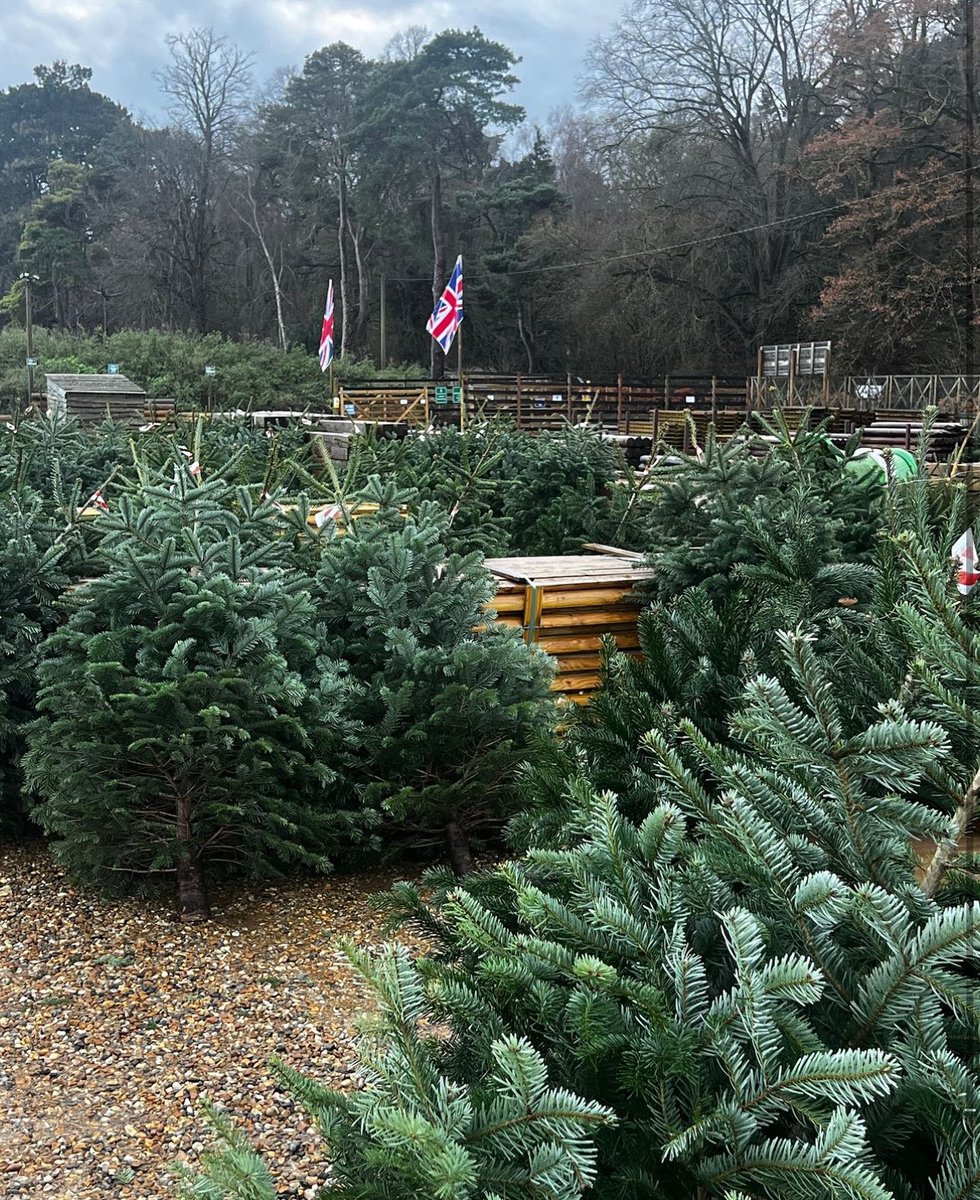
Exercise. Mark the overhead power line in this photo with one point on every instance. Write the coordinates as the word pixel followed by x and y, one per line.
pixel 841 206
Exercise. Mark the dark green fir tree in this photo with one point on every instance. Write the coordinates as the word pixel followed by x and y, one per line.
pixel 448 702
pixel 36 557
pixel 190 722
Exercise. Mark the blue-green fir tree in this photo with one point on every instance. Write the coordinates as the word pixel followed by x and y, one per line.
pixel 750 989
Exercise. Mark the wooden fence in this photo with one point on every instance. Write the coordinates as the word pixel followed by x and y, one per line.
pixel 535 404
pixel 659 409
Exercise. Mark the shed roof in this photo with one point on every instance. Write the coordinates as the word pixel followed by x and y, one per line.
pixel 101 385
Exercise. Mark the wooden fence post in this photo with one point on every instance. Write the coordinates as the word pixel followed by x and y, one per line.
pixel 518 415
pixel 619 404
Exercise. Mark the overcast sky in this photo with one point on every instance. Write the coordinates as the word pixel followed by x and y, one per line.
pixel 123 40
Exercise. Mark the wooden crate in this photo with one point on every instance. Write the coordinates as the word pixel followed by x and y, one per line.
pixel 566 604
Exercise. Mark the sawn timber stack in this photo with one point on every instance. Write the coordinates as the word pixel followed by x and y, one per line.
pixel 565 604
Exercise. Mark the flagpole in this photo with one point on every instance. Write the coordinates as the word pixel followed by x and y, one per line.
pixel 459 373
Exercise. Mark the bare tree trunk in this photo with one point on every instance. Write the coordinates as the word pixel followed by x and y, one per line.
pixel 192 894
pixel 200 241
pixel 526 338
pixel 253 224
pixel 458 847
pixel 437 359
pixel 363 297
pixel 343 342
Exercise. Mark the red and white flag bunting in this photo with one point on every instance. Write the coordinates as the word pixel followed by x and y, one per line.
pixel 965 554
pixel 330 513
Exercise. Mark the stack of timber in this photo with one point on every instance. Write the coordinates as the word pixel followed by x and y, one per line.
pixel 901 431
pixel 566 604
pixel 333 437
pixel 967 473
pixel 92 399
pixel 636 450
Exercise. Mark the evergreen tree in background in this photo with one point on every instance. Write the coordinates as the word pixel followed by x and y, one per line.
pixel 780 510
pixel 448 702
pixel 508 492
pixel 190 722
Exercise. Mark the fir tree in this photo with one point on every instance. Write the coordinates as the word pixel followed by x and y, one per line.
pixel 448 700
pixel 754 986
pixel 749 976
pixel 777 519
pixel 35 558
pixel 190 721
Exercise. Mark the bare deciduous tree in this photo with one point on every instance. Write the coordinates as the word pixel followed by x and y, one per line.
pixel 208 84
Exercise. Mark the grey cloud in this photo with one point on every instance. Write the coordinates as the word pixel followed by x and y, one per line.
pixel 124 40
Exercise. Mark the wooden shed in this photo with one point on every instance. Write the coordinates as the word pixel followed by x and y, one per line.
pixel 565 604
pixel 93 398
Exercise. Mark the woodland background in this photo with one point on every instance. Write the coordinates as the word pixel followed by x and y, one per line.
pixel 735 173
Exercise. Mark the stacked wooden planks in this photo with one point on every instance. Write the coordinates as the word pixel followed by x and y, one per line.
pixel 566 604
pixel 903 430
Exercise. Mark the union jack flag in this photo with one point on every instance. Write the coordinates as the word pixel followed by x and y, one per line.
pixel 326 333
pixel 448 312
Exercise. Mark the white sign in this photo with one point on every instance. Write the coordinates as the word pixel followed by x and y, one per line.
pixel 210 370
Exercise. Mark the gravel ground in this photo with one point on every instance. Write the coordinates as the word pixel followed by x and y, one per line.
pixel 116 1021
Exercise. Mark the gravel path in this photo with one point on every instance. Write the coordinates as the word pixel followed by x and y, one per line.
pixel 116 1022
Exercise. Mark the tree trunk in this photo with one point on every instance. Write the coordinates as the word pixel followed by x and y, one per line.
pixel 458 847
pixel 192 894
pixel 526 338
pixel 343 345
pixel 200 240
pixel 438 359
pixel 363 298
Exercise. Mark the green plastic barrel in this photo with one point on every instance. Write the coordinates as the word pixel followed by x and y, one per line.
pixel 872 465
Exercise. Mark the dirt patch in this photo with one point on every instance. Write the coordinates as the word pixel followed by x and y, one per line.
pixel 116 1022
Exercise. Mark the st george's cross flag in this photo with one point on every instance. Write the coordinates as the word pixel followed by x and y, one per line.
pixel 965 555
pixel 326 333
pixel 448 312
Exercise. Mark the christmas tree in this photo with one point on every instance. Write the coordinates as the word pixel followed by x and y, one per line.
pixel 191 722
pixel 448 701
pixel 744 986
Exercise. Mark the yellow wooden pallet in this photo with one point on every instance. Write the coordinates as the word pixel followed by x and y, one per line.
pixel 566 605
